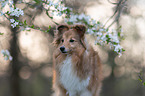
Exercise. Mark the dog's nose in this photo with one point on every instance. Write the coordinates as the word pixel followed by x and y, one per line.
pixel 62 48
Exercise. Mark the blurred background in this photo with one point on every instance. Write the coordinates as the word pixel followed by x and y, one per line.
pixel 30 71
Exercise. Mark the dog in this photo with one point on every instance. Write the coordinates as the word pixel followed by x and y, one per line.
pixel 77 69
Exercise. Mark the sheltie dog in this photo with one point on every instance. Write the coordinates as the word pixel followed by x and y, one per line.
pixel 77 69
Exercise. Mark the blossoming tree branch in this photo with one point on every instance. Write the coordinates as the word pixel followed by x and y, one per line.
pixel 104 35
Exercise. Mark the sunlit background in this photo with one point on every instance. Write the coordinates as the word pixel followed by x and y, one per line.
pixel 34 56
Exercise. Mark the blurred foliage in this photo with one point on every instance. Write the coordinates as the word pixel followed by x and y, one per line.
pixel 141 78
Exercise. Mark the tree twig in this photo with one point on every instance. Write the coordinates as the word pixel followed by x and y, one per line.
pixel 43 9
pixel 118 10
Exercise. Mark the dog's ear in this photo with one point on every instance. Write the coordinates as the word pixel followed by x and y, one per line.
pixel 81 29
pixel 62 28
pixel 58 34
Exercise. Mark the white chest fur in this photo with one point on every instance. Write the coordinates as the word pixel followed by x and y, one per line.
pixel 71 82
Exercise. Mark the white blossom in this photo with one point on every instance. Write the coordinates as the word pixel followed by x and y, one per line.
pixel 87 18
pixel 61 8
pixel 2 51
pixel 50 2
pixel 12 20
pixel 6 55
pixel 104 38
pixel 101 30
pixel 98 38
pixel 93 22
pixel 1 13
pixel 117 48
pixel 81 16
pixel 4 3
pixel 56 8
pixel 10 58
pixel 111 45
pixel 99 33
pixel 114 38
pixel 73 19
pixel 16 12
pixel 90 31
pixel 11 2
pixel 14 24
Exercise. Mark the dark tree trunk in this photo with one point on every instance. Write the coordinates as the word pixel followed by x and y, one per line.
pixel 15 65
pixel 110 81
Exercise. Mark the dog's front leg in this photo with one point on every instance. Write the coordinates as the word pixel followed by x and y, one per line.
pixel 60 91
pixel 86 93
pixel 71 93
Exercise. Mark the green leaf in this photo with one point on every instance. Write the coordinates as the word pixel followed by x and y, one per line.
pixel 68 11
pixel 1 33
pixel 25 23
pixel 37 1
pixel 119 34
pixel 49 27
pixel 144 83
pixel 29 30
pixel 107 29
pixel 107 36
pixel 32 26
pixel 48 30
pixel 123 49
pixel 69 23
pixel 98 22
pixel 115 43
pixel 140 80
pixel 48 15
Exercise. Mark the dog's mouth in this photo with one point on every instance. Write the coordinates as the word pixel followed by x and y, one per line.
pixel 63 51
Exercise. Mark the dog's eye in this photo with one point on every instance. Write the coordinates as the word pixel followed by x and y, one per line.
pixel 62 40
pixel 71 40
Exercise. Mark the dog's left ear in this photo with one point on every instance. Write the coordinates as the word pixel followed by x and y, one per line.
pixel 81 29
pixel 58 34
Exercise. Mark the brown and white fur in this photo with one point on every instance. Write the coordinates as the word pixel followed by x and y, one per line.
pixel 77 69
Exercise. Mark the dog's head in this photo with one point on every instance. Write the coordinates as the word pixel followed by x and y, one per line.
pixel 70 38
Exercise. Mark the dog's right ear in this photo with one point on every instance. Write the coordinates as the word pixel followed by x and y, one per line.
pixel 81 29
pixel 62 28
